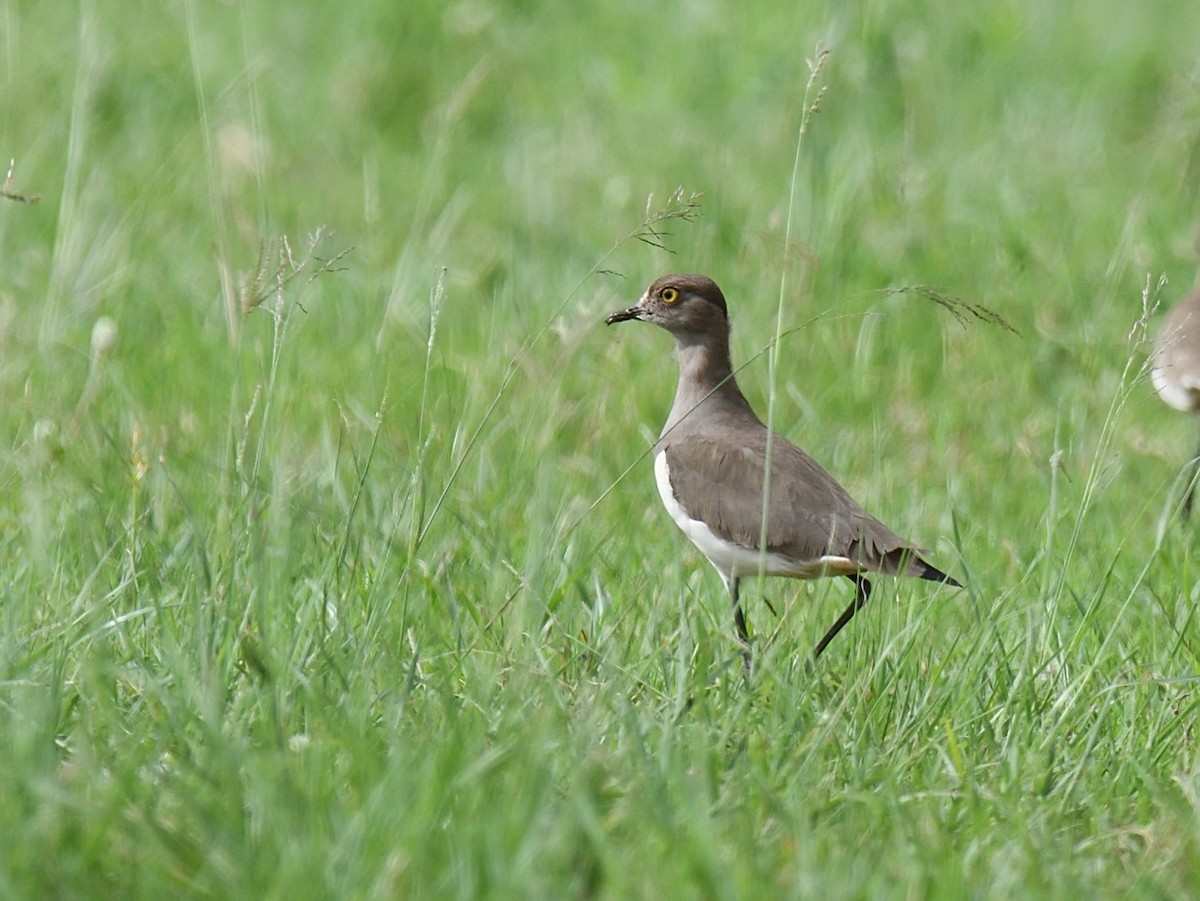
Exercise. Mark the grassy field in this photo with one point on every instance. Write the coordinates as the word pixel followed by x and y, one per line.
pixel 330 560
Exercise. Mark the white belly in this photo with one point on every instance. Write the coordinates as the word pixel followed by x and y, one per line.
pixel 734 560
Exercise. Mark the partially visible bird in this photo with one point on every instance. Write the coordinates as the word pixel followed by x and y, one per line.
pixel 1175 372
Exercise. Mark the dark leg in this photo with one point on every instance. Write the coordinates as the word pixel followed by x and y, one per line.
pixel 862 593
pixel 739 620
pixel 1189 486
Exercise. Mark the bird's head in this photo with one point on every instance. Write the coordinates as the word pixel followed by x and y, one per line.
pixel 683 304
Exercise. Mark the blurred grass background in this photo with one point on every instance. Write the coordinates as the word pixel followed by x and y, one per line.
pixel 320 576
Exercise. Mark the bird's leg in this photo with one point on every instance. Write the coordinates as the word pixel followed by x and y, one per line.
pixel 862 593
pixel 1189 485
pixel 739 620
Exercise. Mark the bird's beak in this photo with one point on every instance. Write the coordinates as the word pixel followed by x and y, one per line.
pixel 634 312
pixel 622 315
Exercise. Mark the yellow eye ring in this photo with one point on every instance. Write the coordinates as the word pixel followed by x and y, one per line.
pixel 669 295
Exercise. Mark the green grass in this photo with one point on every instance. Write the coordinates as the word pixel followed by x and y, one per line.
pixel 343 575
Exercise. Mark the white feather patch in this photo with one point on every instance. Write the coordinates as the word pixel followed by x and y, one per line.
pixel 1182 393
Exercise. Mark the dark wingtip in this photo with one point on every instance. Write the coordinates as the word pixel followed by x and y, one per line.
pixel 933 574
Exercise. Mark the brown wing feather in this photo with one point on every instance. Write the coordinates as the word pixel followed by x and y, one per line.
pixel 810 514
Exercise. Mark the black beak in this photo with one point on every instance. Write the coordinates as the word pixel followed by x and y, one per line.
pixel 634 312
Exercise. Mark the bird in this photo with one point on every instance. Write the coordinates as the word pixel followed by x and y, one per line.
pixel 710 466
pixel 1175 373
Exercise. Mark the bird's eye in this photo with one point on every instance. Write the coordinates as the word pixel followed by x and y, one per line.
pixel 669 295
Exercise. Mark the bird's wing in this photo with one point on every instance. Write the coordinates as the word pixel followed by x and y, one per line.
pixel 810 516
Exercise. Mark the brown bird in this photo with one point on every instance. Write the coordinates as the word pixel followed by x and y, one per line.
pixel 1175 372
pixel 710 463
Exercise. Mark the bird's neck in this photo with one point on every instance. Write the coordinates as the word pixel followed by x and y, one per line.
pixel 705 378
